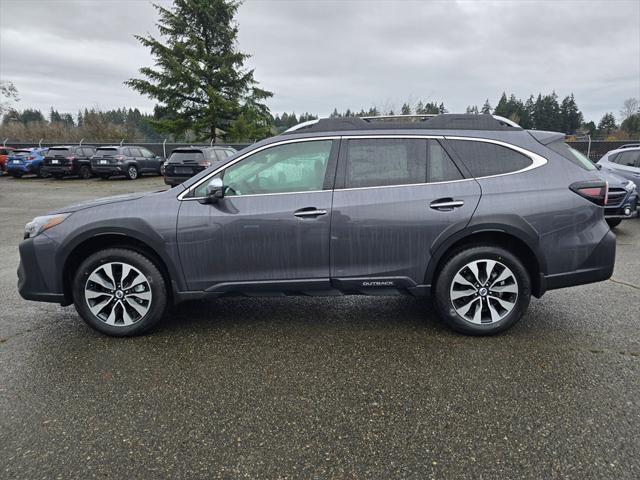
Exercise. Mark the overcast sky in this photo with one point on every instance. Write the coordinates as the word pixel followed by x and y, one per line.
pixel 317 55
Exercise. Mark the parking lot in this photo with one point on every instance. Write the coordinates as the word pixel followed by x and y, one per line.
pixel 336 387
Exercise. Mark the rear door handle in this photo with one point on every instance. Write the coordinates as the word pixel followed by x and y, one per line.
pixel 309 212
pixel 446 204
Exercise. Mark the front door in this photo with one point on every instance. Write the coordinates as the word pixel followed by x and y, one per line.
pixel 393 198
pixel 271 230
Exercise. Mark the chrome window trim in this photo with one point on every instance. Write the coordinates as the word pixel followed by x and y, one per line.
pixel 536 162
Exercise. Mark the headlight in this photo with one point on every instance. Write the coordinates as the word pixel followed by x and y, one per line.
pixel 630 187
pixel 39 224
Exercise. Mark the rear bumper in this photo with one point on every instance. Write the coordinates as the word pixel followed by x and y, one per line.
pixel 175 180
pixel 597 268
pixel 108 169
pixel 24 168
pixel 60 169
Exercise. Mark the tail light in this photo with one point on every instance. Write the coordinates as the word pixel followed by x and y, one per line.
pixel 204 163
pixel 71 158
pixel 595 191
pixel 119 157
pixel 29 157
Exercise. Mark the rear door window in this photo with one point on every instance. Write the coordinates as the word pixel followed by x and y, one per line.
pixel 134 152
pixel 385 161
pixel 485 159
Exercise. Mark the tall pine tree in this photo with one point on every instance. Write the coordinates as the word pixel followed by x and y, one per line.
pixel 199 79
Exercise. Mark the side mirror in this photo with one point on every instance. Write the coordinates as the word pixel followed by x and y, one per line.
pixel 598 166
pixel 215 190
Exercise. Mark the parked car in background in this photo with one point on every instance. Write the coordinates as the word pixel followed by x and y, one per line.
pixel 622 200
pixel 623 161
pixel 185 162
pixel 69 160
pixel 4 155
pixel 470 210
pixel 130 161
pixel 26 161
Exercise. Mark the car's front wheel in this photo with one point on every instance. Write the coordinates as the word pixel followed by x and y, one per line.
pixel 119 292
pixel 613 222
pixel 482 290
pixel 85 172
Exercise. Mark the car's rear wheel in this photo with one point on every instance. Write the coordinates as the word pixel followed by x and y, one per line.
pixel 85 172
pixel 119 292
pixel 132 172
pixel 482 290
pixel 58 176
pixel 613 222
pixel 16 175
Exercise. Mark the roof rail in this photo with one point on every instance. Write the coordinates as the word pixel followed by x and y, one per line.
pixel 629 145
pixel 443 121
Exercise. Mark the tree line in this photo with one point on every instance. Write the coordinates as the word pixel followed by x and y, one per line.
pixel 203 91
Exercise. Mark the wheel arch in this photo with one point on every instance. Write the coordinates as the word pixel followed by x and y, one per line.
pixel 516 241
pixel 96 241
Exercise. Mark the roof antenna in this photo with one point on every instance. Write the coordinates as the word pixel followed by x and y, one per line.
pixel 81 140
pixel 121 141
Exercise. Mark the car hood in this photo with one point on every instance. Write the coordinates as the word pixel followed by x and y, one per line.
pixel 102 201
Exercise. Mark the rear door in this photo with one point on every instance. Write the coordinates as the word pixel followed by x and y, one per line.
pixel 393 198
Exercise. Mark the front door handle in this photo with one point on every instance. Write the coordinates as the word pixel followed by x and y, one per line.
pixel 309 212
pixel 446 204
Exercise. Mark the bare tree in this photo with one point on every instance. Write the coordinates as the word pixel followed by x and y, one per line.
pixel 8 94
pixel 631 106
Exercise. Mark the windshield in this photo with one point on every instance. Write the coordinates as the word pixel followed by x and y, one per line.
pixel 58 151
pixel 186 156
pixel 106 152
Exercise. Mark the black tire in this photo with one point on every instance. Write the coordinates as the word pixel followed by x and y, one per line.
pixel 132 172
pixel 155 285
pixel 58 176
pixel 613 222
pixel 85 172
pixel 16 175
pixel 42 173
pixel 456 263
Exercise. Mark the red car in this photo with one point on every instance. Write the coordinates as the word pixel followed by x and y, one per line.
pixel 4 154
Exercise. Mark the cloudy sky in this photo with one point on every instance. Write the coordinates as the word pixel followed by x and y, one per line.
pixel 317 55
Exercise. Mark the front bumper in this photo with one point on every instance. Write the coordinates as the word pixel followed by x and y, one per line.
pixel 36 272
pixel 625 209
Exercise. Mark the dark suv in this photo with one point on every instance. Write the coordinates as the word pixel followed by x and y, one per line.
pixel 69 160
pixel 130 161
pixel 185 162
pixel 470 210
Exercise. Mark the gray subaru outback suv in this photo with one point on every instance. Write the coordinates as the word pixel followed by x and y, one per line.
pixel 470 210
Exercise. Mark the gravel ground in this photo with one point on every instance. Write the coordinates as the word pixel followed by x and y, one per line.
pixel 351 387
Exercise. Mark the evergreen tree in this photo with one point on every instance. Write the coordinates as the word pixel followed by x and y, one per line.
pixel 486 108
pixel 420 108
pixel 200 76
pixel 607 124
pixel 406 109
pixel 631 124
pixel 54 116
pixel 571 117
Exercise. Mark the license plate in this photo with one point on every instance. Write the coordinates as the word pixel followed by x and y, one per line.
pixel 55 162
pixel 102 162
pixel 183 170
pixel 16 161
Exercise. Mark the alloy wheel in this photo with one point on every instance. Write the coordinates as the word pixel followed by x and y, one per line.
pixel 118 294
pixel 484 291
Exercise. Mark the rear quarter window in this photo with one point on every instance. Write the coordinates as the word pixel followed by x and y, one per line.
pixel 484 159
pixel 572 155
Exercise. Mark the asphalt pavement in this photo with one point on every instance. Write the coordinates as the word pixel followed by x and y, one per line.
pixel 338 387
